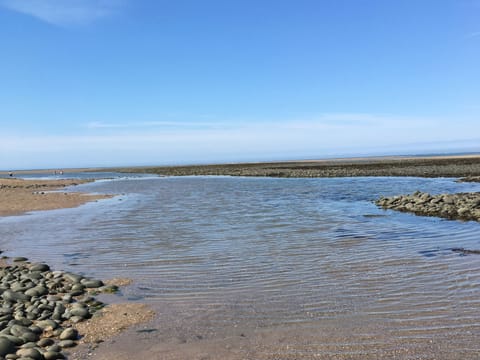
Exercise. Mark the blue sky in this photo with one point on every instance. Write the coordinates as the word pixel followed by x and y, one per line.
pixel 123 82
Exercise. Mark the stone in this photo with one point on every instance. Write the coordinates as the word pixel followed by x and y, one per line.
pixel 6 346
pixel 53 355
pixel 30 353
pixel 67 343
pixel 18 330
pixel 54 348
pixel 36 291
pixel 10 295
pixel 29 337
pixel 74 278
pixel 81 312
pixel 45 342
pixel 92 283
pixel 39 267
pixel 47 325
pixel 14 339
pixel 69 334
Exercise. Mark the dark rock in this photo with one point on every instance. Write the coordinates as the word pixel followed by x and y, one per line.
pixel 53 355
pixel 67 343
pixel 30 353
pixel 81 312
pixel 74 278
pixel 92 283
pixel 461 206
pixel 10 295
pixel 29 337
pixel 18 330
pixel 69 334
pixel 39 267
pixel 466 251
pixel 6 346
pixel 45 342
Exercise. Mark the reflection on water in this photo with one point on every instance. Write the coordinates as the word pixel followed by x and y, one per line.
pixel 220 254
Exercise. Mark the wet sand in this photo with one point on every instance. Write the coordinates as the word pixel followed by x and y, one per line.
pixel 353 338
pixel 19 196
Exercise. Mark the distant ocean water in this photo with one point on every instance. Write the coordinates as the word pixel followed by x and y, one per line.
pixel 220 253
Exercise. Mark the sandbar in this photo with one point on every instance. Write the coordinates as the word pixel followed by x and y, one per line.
pixel 18 196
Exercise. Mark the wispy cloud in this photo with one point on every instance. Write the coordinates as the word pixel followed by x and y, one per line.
pixel 473 34
pixel 139 125
pixel 65 12
pixel 156 142
pixel 321 121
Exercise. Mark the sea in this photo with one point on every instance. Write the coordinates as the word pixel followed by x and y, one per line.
pixel 269 268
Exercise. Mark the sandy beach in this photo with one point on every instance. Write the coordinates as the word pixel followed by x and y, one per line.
pixel 19 196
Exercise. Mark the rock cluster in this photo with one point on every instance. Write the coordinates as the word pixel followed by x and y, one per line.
pixel 470 179
pixel 423 167
pixel 39 307
pixel 461 206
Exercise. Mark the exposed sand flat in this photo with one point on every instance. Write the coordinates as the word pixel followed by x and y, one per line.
pixel 18 196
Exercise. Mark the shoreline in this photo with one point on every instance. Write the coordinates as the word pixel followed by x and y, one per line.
pixel 467 165
pixel 435 166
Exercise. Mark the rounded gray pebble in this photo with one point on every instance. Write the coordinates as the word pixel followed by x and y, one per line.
pixel 67 343
pixel 69 334
pixel 39 267
pixel 30 353
pixel 53 355
pixel 6 346
pixel 92 283
pixel 45 342
pixel 79 311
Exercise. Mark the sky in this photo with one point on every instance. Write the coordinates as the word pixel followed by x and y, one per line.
pixel 153 82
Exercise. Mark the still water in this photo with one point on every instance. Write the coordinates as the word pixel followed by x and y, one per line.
pixel 221 256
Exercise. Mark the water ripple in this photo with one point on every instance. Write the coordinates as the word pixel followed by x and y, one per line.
pixel 271 251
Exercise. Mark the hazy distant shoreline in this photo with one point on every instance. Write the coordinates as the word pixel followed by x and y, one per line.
pixel 421 166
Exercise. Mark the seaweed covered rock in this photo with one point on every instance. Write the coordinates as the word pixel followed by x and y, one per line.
pixel 460 206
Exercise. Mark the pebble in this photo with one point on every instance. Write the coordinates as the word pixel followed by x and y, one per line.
pixel 6 346
pixel 45 342
pixel 39 267
pixel 53 355
pixel 30 353
pixel 36 302
pixel 67 343
pixel 69 334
